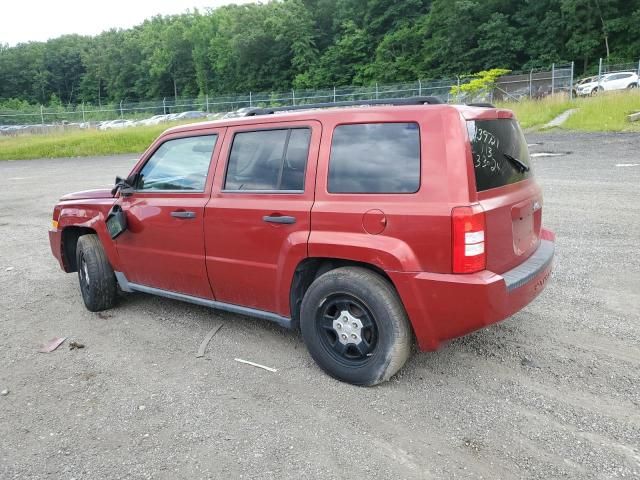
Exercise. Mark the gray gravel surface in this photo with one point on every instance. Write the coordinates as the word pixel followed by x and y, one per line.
pixel 551 393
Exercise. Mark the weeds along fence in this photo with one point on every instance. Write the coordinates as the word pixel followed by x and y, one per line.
pixel 532 84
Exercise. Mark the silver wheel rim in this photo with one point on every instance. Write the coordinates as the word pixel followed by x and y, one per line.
pixel 85 273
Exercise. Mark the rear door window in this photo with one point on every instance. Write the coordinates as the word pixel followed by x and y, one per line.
pixel 375 158
pixel 500 153
pixel 268 160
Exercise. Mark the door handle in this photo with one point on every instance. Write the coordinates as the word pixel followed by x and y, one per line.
pixel 279 219
pixel 182 214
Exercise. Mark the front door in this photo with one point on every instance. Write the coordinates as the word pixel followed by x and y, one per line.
pixel 258 220
pixel 163 246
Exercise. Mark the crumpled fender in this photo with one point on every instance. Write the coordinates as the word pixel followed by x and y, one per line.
pixel 91 215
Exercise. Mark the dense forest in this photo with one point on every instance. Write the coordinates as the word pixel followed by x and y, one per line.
pixel 317 43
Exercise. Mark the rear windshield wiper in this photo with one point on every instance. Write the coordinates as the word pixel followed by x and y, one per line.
pixel 519 164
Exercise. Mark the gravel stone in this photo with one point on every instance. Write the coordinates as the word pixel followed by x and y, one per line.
pixel 472 410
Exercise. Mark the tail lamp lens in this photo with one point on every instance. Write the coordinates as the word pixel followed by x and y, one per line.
pixel 468 234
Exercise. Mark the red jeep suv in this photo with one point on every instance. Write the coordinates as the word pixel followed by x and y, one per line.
pixel 365 225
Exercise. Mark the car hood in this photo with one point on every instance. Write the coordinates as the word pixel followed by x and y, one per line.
pixel 85 194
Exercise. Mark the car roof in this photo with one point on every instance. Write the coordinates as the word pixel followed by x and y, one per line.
pixel 619 73
pixel 468 112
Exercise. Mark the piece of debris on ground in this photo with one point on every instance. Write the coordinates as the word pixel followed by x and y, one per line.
pixel 52 344
pixel 256 365
pixel 207 339
pixel 4 392
pixel 75 345
pixel 527 362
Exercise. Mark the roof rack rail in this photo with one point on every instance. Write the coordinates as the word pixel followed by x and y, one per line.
pixel 357 103
pixel 482 104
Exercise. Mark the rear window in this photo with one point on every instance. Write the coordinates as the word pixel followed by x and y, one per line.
pixel 500 153
pixel 375 158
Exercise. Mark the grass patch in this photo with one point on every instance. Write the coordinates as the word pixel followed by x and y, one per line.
pixel 603 113
pixel 537 113
pixel 79 143
pixel 606 113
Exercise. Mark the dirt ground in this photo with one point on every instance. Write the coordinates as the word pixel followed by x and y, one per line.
pixel 554 392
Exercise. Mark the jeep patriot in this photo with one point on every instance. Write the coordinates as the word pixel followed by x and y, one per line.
pixel 366 226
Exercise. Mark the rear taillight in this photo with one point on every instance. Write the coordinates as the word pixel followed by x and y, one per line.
pixel 468 234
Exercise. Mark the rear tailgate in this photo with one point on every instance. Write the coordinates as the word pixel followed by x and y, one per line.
pixel 507 191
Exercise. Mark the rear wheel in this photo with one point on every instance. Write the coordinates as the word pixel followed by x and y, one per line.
pixel 633 85
pixel 355 326
pixel 96 277
pixel 595 91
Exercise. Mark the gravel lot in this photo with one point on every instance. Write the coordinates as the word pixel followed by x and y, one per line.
pixel 553 392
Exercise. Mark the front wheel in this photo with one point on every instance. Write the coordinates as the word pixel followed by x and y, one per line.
pixel 355 326
pixel 97 280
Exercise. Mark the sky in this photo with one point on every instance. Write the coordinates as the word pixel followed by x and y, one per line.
pixel 38 20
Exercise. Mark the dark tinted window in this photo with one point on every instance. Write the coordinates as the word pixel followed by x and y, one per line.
pixel 180 164
pixel 492 143
pixel 375 158
pixel 268 160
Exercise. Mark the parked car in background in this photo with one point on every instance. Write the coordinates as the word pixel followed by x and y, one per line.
pixel 190 115
pixel 577 85
pixel 113 124
pixel 606 83
pixel 155 120
pixel 241 112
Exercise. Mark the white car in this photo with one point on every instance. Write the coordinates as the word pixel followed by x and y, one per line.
pixel 155 120
pixel 190 115
pixel 115 124
pixel 609 82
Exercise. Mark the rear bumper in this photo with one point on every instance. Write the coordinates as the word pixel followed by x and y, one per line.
pixel 446 306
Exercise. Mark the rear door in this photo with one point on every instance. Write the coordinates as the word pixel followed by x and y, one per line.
pixel 507 191
pixel 617 81
pixel 258 219
pixel 163 246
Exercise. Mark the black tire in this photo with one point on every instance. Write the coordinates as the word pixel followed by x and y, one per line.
pixel 633 85
pixel 96 277
pixel 595 91
pixel 383 332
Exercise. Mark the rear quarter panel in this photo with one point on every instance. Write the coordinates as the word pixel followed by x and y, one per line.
pixel 417 236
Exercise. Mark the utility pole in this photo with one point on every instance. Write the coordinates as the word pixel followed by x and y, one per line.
pixel 605 33
pixel 571 88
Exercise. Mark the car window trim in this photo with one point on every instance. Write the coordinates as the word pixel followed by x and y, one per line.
pixel 289 129
pixel 168 191
pixel 280 192
pixel 213 151
pixel 415 122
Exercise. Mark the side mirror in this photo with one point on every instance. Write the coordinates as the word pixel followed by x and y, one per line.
pixel 123 186
pixel 116 221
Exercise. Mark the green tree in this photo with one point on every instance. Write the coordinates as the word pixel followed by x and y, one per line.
pixel 282 44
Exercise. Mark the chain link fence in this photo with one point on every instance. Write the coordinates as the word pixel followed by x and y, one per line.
pixel 535 84
pixel 532 84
